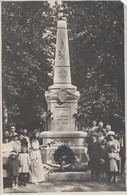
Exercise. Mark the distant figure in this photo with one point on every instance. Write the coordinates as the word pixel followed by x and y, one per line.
pixel 92 128
pixel 25 134
pixel 13 169
pixel 101 128
pixel 12 132
pixel 24 162
pixel 37 172
pixel 108 129
pixel 92 147
pixel 6 134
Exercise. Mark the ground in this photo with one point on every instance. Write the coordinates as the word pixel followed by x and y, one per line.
pixel 70 186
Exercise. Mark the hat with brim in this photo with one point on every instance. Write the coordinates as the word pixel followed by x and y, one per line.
pixel 111 133
pixel 14 153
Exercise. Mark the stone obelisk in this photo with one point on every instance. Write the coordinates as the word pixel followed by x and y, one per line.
pixel 62 99
pixel 62 96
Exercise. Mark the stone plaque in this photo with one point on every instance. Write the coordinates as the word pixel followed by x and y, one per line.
pixel 63 116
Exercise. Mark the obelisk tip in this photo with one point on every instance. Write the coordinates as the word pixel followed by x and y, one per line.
pixel 62 23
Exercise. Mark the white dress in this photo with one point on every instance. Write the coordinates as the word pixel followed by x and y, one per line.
pixel 24 161
pixel 116 145
pixel 16 145
pixel 37 172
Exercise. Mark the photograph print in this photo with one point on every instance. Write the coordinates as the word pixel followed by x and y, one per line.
pixel 63 97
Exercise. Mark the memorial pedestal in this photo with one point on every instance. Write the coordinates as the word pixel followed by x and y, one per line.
pixel 75 140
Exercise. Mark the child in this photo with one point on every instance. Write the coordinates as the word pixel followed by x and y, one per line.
pixel 24 162
pixel 102 160
pixel 112 155
pixel 13 169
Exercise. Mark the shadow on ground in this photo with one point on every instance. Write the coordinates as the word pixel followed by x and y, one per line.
pixel 70 186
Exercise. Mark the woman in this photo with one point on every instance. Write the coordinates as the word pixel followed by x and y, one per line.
pixel 37 172
pixel 115 143
pixel 16 144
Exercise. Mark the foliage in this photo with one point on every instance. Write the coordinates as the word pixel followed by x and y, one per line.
pixel 96 44
pixel 27 59
pixel 96 40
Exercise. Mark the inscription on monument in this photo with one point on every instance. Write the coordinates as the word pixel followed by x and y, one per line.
pixel 63 116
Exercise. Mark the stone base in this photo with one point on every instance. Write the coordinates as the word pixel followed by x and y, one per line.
pixel 69 176
pixel 75 140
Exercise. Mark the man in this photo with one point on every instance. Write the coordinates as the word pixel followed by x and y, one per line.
pixel 92 128
pixel 94 125
pixel 12 132
pixel 25 132
pixel 92 147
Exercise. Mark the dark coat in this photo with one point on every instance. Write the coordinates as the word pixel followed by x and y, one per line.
pixel 102 154
pixel 92 147
pixel 13 166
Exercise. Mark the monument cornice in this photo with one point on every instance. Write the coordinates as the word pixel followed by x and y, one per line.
pixel 63 134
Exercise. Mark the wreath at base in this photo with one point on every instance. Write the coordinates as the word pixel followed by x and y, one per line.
pixel 64 156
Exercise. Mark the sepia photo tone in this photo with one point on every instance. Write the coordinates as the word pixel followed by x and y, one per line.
pixel 63 97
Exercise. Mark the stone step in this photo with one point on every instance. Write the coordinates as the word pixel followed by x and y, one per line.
pixel 69 176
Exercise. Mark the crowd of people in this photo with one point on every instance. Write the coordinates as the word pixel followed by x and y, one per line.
pixel 24 163
pixel 106 153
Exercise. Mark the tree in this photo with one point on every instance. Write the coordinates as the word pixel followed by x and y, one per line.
pixel 96 42
pixel 28 44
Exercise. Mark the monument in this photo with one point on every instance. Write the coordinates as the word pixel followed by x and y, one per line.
pixel 62 100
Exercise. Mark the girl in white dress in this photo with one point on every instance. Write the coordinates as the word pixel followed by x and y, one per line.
pixel 24 162
pixel 37 172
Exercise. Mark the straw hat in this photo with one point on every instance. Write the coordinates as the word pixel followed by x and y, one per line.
pixel 14 153
pixel 111 133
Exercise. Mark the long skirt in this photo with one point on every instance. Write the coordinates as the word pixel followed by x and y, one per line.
pixel 113 165
pixel 37 172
